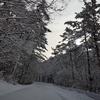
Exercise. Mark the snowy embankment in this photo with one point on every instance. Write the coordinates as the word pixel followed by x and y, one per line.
pixel 38 91
pixel 7 88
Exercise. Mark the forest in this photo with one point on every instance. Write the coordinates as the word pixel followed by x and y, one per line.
pixel 23 29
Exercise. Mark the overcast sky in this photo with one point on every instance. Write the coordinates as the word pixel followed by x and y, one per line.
pixel 57 26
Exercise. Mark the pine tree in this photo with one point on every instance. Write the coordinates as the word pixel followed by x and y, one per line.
pixel 22 31
pixel 90 18
pixel 90 29
pixel 87 28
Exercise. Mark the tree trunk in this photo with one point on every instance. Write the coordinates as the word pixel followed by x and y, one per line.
pixel 72 66
pixel 95 38
pixel 16 63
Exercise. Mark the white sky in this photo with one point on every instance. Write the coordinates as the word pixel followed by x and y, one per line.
pixel 57 26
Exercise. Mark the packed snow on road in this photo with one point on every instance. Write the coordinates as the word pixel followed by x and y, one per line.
pixel 39 91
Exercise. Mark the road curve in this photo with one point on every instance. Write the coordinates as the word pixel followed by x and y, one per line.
pixel 41 91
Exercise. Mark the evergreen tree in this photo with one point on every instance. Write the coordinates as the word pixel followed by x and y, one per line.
pixel 22 31
pixel 90 24
pixel 87 28
pixel 90 29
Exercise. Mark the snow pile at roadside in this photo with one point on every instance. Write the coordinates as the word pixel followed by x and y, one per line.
pixel 90 94
pixel 6 87
pixel 70 95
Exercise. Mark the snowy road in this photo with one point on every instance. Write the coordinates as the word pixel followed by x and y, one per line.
pixel 43 91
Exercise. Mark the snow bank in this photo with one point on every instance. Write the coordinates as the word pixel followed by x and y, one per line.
pixel 6 87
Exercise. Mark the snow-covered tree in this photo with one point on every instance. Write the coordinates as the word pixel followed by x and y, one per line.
pixel 90 16
pixel 22 31
pixel 87 28
pixel 90 29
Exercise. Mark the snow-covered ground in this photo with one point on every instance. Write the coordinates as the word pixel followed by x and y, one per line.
pixel 7 88
pixel 39 91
